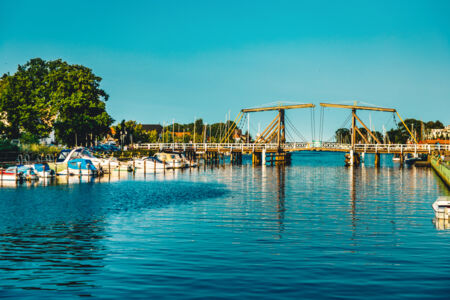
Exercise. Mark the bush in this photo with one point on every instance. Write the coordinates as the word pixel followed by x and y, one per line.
pixel 7 146
pixel 40 149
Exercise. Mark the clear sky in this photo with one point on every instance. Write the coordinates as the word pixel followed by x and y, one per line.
pixel 165 60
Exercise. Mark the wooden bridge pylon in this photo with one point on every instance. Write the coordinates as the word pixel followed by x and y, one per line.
pixel 276 128
pixel 353 157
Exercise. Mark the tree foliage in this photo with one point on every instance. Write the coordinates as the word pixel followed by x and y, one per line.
pixel 46 95
pixel 129 132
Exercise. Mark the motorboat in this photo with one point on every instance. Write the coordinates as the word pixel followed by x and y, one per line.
pixel 42 170
pixel 27 172
pixel 396 158
pixel 11 174
pixel 102 164
pixel 441 207
pixel 171 160
pixel 411 160
pixel 147 164
pixel 79 166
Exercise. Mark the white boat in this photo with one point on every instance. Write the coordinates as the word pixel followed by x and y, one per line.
pixel 441 207
pixel 150 164
pixel 27 172
pixel 11 174
pixel 102 164
pixel 42 170
pixel 171 160
pixel 79 166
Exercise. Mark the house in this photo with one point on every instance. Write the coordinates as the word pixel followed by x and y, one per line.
pixel 439 133
pixel 181 134
pixel 151 127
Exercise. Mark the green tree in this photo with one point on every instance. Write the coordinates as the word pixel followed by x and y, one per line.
pixel 25 101
pixel 80 103
pixel 343 135
pixel 42 96
pixel 130 131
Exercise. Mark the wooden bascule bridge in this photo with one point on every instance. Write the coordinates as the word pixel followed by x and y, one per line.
pixel 272 147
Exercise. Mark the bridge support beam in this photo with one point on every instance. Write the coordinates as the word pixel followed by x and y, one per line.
pixel 352 158
pixel 377 160
pixel 256 158
pixel 263 157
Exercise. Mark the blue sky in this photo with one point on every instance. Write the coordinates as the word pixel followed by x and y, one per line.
pixel 165 60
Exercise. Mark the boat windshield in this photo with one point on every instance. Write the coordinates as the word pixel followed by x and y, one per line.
pixel 86 153
pixel 76 154
pixel 63 155
pixel 151 158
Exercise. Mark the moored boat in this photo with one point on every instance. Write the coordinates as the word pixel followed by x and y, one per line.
pixel 27 172
pixel 42 170
pixel 149 164
pixel 79 166
pixel 102 164
pixel 441 207
pixel 396 157
pixel 171 160
pixel 11 174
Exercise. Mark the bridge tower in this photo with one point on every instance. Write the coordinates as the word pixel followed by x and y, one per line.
pixel 353 158
pixel 276 131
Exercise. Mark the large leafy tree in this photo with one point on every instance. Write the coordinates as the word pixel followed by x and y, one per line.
pixel 24 100
pixel 42 96
pixel 80 103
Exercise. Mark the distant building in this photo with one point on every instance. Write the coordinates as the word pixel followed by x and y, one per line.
pixel 181 133
pixel 439 133
pixel 151 127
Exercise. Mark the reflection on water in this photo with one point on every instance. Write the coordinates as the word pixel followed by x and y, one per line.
pixel 314 229
pixel 441 224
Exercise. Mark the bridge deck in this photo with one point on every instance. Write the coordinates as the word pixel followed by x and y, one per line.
pixel 295 147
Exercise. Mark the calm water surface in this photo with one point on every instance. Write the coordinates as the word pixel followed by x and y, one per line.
pixel 314 229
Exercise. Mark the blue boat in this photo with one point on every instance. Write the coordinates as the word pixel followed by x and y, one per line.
pixel 27 172
pixel 42 170
pixel 79 166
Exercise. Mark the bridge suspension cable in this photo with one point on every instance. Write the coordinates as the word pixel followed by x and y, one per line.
pixel 313 124
pixel 295 130
pixel 321 120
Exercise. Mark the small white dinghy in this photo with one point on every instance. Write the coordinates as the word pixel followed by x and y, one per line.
pixel 442 207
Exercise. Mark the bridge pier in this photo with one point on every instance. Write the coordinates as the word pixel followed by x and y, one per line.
pixel 236 158
pixel 377 160
pixel 352 158
pixel 256 158
pixel 279 158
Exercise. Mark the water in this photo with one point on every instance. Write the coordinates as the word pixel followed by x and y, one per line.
pixel 314 230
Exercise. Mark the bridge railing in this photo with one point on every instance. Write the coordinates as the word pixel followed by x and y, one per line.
pixel 290 146
pixel 400 148
pixel 206 146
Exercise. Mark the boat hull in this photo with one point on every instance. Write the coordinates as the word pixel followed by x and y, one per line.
pixel 441 208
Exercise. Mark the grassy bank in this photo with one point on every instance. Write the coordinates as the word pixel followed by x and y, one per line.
pixel 442 169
